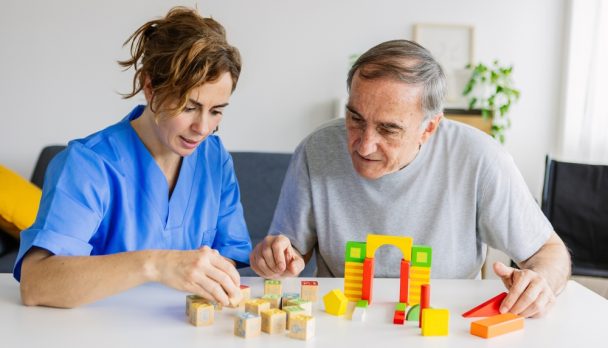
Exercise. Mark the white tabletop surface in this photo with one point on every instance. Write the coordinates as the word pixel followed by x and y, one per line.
pixel 153 315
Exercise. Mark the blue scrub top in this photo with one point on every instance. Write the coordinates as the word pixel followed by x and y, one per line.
pixel 105 194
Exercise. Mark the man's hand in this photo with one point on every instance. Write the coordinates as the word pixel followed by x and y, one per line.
pixel 530 295
pixel 274 257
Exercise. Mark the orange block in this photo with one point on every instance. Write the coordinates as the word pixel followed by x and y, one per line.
pixel 497 325
pixel 487 309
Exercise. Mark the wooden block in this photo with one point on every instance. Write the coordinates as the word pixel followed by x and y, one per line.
pixel 362 303
pixel 353 280
pixel 287 297
pixel 435 322
pixel 201 314
pixel 273 299
pixel 401 307
pixel 350 308
pixel 191 299
pixel 309 290
pixel 247 325
pixel 359 314
pixel 273 287
pixel 256 306
pixel 307 305
pixel 335 302
pixel 374 241
pixel 425 300
pixel 418 277
pixel 303 327
pixel 404 281
pixel 497 325
pixel 291 312
pixel 422 256
pixel 488 308
pixel 274 321
pixel 399 317
pixel 413 314
pixel 355 251
pixel 368 280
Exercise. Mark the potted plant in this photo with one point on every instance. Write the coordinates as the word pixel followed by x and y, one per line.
pixel 490 89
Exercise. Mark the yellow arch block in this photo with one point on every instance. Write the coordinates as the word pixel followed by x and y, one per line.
pixel 374 241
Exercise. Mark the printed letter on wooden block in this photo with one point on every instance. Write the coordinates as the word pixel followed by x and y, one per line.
pixel 247 325
pixel 274 321
pixel 273 287
pixel 309 290
pixel 256 306
pixel 273 299
pixel 201 314
pixel 291 312
pixel 303 327
pixel 288 296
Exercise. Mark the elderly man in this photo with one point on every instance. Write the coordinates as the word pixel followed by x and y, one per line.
pixel 394 167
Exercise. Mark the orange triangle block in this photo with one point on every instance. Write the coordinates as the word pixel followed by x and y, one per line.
pixel 489 308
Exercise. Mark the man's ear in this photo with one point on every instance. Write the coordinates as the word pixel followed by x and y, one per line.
pixel 148 90
pixel 431 128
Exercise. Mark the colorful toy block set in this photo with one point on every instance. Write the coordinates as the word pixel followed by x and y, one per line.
pixel 415 291
pixel 277 312
pixel 273 313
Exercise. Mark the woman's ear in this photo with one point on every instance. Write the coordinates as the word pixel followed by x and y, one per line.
pixel 148 90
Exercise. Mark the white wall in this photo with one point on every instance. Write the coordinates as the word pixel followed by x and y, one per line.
pixel 59 79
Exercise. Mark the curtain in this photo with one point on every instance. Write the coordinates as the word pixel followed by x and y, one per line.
pixel 584 129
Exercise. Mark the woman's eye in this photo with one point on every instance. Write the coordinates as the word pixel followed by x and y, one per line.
pixel 216 112
pixel 189 109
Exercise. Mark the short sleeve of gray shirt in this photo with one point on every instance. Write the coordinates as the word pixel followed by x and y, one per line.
pixel 461 193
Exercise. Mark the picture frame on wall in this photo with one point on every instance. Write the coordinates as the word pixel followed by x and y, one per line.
pixel 453 47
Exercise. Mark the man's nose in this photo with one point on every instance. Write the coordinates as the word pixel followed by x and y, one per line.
pixel 369 142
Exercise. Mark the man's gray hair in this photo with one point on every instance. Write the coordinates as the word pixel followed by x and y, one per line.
pixel 409 62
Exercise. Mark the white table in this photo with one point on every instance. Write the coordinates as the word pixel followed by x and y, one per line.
pixel 153 316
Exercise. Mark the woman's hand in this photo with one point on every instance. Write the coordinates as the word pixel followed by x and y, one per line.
pixel 203 272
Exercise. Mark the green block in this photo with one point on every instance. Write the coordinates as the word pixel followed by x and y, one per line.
pixel 362 303
pixel 414 313
pixel 401 307
pixel 355 251
pixel 422 256
pixel 272 281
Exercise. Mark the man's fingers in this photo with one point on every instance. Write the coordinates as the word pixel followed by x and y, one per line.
pixel 518 286
pixel 260 266
pixel 279 245
pixel 527 300
pixel 295 266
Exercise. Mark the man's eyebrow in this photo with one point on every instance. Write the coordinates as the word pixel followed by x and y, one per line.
pixel 351 109
pixel 391 125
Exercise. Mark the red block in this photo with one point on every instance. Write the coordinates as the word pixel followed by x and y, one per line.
pixel 368 279
pixel 399 317
pixel 425 300
pixel 404 280
pixel 487 309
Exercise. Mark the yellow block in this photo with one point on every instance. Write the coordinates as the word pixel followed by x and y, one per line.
pixel 435 322
pixel 374 241
pixel 335 302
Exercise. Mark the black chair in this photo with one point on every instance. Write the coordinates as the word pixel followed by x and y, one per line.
pixel 260 177
pixel 575 200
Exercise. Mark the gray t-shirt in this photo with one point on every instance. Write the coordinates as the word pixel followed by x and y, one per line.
pixel 461 193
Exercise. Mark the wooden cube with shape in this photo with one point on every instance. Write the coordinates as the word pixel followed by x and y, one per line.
pixel 247 325
pixel 274 321
pixel 302 327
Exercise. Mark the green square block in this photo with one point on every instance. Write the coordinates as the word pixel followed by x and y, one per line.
pixel 362 303
pixel 355 251
pixel 422 256
pixel 401 307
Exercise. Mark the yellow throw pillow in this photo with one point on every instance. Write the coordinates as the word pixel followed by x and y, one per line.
pixel 19 201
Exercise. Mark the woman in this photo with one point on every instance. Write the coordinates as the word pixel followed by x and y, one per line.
pixel 153 197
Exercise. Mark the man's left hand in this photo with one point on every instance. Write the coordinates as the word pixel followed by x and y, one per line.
pixel 529 292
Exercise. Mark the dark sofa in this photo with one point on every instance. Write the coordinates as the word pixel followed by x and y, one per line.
pixel 260 178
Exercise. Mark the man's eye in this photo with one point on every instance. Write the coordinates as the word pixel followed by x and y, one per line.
pixel 388 131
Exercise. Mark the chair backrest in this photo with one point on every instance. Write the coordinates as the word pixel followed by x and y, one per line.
pixel 575 200
pixel 45 157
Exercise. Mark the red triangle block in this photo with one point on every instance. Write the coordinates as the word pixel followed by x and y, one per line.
pixel 487 309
